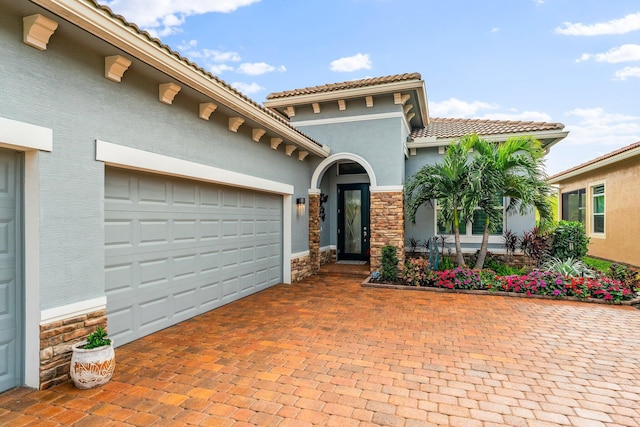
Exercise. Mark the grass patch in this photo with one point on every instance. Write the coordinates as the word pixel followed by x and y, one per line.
pixel 597 264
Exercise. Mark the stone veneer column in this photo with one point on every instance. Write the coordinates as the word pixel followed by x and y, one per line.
pixel 56 339
pixel 387 224
pixel 314 232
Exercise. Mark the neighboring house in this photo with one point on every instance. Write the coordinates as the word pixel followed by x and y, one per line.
pixel 603 195
pixel 138 190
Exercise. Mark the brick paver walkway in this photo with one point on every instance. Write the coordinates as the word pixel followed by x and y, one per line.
pixel 328 352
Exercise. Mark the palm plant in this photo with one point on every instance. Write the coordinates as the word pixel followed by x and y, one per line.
pixel 448 183
pixel 514 170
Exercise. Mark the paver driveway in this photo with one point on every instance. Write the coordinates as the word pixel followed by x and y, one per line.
pixel 328 352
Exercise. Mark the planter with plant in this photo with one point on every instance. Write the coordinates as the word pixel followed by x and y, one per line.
pixel 93 361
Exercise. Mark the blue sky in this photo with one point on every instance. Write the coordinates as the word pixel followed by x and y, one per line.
pixel 570 61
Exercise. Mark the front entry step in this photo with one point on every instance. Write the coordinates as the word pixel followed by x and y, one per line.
pixel 338 269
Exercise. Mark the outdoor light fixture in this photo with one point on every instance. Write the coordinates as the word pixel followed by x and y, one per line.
pixel 300 206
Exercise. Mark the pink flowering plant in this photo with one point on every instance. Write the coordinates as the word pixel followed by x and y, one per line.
pixel 417 273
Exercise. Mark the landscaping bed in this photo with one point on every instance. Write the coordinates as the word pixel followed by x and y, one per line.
pixel 536 284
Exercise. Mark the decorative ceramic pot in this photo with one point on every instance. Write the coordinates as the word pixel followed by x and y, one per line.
pixel 93 367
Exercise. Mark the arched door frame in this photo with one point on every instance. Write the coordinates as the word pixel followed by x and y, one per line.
pixel 314 199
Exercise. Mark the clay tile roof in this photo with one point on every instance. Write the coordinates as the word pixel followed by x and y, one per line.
pixel 598 159
pixel 454 128
pixel 345 85
pixel 158 42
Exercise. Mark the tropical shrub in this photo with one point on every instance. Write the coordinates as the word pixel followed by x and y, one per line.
pixel 569 240
pixel 417 272
pixel 507 270
pixel 569 267
pixel 534 244
pixel 389 264
pixel 625 274
pixel 510 241
pixel 445 264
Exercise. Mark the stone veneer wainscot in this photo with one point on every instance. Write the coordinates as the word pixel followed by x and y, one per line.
pixel 56 339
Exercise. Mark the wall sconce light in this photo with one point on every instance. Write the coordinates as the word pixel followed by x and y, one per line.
pixel 300 206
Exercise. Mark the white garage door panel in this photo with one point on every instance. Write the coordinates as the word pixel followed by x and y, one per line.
pixel 177 248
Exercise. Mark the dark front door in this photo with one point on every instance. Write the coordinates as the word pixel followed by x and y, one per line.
pixel 353 222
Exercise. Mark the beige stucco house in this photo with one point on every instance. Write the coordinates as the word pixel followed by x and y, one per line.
pixel 603 195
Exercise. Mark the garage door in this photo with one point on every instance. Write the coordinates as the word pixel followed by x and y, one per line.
pixel 178 248
pixel 10 272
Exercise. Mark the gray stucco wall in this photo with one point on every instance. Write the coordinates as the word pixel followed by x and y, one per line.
pixel 63 88
pixel 380 141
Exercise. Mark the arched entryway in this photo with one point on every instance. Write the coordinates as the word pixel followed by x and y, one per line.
pixel 376 212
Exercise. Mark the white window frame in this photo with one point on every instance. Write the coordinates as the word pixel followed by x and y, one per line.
pixel 469 237
pixel 592 213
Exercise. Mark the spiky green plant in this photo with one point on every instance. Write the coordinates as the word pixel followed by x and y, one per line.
pixel 569 267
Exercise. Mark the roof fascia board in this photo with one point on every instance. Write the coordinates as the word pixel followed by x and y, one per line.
pixel 597 165
pixel 359 92
pixel 88 17
pixel 430 141
pixel 417 85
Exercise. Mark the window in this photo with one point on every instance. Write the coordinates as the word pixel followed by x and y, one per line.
pixel 475 227
pixel 597 194
pixel 574 205
pixel 350 168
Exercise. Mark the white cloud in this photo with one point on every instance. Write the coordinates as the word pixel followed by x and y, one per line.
pixel 258 68
pixel 247 88
pixel 164 17
pixel 453 107
pixel 624 25
pixel 351 63
pixel 624 53
pixel 219 69
pixel 594 126
pixel 592 133
pixel 627 72
pixel 213 60
pixel 495 30
pixel 599 116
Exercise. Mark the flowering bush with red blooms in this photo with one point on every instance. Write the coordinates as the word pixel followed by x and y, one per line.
pixel 557 285
pixel 416 273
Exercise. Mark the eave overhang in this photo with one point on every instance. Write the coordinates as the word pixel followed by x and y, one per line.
pixel 546 138
pixel 416 86
pixel 594 166
pixel 85 15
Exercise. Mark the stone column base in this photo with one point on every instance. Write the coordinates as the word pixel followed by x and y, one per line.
pixel 387 224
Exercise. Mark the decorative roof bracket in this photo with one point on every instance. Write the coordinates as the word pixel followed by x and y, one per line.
pixel 167 92
pixel 37 30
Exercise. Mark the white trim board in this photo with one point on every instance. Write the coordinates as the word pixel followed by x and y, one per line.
pixel 334 158
pixel 30 139
pixel 25 136
pixel 300 254
pixel 133 158
pixel 350 119
pixel 387 189
pixel 73 310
